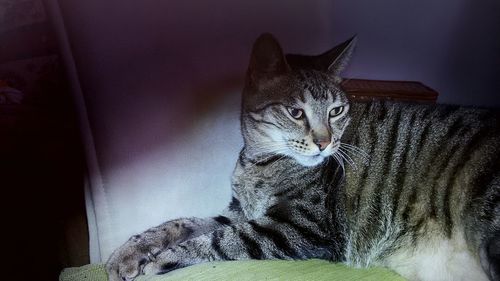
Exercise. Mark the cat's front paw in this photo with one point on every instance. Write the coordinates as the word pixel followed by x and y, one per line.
pixel 168 260
pixel 128 261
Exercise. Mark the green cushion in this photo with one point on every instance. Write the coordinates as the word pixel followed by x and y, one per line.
pixel 247 270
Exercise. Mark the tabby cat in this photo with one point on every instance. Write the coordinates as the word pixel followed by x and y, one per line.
pixel 415 188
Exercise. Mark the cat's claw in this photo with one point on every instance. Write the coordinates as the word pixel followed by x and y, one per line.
pixel 122 272
pixel 168 260
pixel 128 261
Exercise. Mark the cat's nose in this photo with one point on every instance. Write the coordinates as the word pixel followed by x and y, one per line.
pixel 322 143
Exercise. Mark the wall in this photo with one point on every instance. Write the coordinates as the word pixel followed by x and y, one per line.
pixel 452 46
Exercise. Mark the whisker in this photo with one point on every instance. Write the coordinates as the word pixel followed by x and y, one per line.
pixel 275 162
pixel 356 152
pixel 341 163
pixel 270 147
pixel 347 158
pixel 353 147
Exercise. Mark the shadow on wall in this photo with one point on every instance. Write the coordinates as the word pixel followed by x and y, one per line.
pixel 142 63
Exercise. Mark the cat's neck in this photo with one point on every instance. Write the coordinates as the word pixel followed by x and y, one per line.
pixel 250 155
pixel 277 163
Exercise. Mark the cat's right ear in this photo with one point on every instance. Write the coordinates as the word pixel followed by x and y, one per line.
pixel 336 59
pixel 267 60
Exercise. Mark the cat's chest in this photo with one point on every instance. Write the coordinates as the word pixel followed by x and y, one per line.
pixel 257 189
pixel 256 195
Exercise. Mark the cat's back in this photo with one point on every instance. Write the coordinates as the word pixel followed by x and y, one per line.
pixel 426 147
pixel 434 116
pixel 422 130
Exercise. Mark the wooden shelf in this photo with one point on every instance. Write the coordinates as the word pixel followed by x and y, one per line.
pixel 410 91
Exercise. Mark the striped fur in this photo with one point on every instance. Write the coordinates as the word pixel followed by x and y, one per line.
pixel 415 188
pixel 432 175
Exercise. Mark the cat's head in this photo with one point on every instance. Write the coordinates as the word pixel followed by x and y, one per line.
pixel 294 105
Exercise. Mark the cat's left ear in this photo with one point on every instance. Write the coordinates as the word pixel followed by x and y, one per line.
pixel 267 60
pixel 336 59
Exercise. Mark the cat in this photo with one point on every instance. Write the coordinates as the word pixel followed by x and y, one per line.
pixel 411 187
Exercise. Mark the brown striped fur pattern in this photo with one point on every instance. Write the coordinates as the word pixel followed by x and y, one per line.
pixel 415 188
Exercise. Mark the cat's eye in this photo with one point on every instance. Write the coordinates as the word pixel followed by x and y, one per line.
pixel 336 111
pixel 296 113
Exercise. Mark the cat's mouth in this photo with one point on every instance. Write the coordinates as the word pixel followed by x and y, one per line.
pixel 319 157
pixel 312 160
